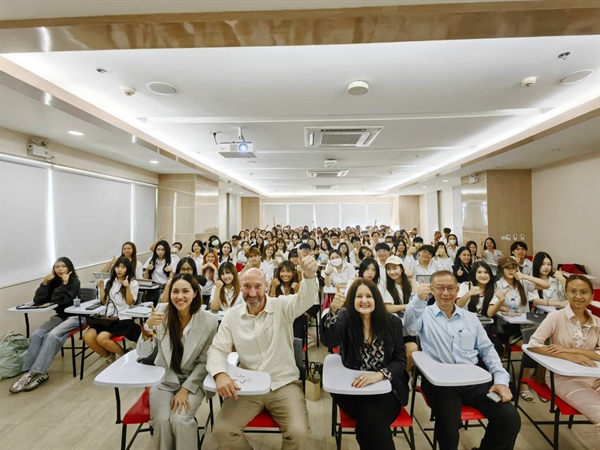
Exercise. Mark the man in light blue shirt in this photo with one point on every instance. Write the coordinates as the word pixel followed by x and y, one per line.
pixel 452 335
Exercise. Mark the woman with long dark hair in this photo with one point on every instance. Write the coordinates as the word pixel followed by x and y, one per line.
pixel 555 294
pixel 226 292
pixel 370 339
pixel 463 264
pixel 182 334
pixel 59 287
pixel 122 288
pixel 185 265
pixel 129 251
pixel 478 294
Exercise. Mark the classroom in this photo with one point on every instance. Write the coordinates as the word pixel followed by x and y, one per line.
pixel 184 122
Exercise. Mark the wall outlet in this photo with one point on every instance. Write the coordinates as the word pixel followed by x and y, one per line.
pixel 522 237
pixel 515 237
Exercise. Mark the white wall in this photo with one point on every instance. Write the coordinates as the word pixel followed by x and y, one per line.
pixel 566 211
pixel 446 208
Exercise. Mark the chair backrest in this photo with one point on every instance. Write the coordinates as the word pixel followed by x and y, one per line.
pixel 298 357
pixel 86 294
pixel 139 298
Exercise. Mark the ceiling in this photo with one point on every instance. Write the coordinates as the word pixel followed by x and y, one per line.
pixel 437 101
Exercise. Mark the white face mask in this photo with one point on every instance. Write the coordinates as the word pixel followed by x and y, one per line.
pixel 174 250
pixel 452 241
pixel 215 243
pixel 336 262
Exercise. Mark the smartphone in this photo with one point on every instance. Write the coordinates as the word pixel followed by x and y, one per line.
pixel 423 279
pixel 93 306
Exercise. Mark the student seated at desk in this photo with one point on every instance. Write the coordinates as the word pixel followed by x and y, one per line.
pixel 226 292
pixel 182 332
pixel 122 288
pixel 369 339
pixel 60 287
pixel 574 334
pixel 158 268
pixel 185 265
pixel 129 251
pixel 451 335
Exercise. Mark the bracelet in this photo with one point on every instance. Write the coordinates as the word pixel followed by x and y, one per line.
pixel 386 373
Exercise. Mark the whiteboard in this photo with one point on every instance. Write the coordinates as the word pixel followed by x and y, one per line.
pixel 92 216
pixel 25 230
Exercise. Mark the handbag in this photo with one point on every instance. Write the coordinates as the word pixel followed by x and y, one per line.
pixel 104 319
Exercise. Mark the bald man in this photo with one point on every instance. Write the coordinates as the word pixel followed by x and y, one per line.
pixel 260 330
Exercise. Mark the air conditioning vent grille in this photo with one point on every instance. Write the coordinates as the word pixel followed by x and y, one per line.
pixel 340 136
pixel 326 173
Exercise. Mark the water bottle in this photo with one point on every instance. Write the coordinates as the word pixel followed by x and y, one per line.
pixel 512 309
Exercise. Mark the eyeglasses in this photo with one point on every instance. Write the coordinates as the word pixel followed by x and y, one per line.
pixel 574 292
pixel 450 289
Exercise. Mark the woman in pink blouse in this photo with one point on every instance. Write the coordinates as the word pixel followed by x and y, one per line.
pixel 575 336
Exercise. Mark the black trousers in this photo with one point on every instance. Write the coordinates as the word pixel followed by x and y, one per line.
pixel 504 421
pixel 373 414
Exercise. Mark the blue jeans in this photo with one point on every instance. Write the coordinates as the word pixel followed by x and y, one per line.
pixel 46 342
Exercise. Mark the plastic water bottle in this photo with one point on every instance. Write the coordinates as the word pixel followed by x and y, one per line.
pixel 512 309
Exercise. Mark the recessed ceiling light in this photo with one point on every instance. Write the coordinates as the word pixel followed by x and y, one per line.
pixel 424 187
pixel 242 193
pixel 75 133
pixel 154 161
pixel 555 149
pixel 358 87
pixel 160 88
pixel 576 77
pixel 444 181
pixel 230 189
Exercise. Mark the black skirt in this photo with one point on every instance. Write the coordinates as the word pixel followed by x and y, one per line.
pixel 123 327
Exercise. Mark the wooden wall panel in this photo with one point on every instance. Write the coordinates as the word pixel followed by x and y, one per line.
pixel 409 212
pixel 250 212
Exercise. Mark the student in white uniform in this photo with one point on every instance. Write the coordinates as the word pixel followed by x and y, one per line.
pixel 441 257
pixel 128 250
pixel 209 271
pixel 452 246
pixel 478 294
pixel 369 269
pixel 122 288
pixel 268 262
pixel 281 252
pixel 425 264
pixel 518 250
pixel 555 295
pixel 490 254
pixel 158 268
pixel 226 254
pixel 197 254
pixel 226 292
pixel 337 273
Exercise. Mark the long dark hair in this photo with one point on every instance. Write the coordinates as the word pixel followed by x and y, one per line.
pixel 488 293
pixel 113 276
pixel 173 322
pixel 380 318
pixel 277 275
pixel 364 265
pixel 167 256
pixel 518 284
pixel 134 260
pixel 538 260
pixel 402 253
pixel 229 267
pixel 390 286
pixel 347 256
pixel 57 281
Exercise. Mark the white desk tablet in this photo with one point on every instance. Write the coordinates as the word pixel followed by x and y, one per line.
pixel 251 382
pixel 562 366
pixel 126 372
pixel 338 379
pixel 440 374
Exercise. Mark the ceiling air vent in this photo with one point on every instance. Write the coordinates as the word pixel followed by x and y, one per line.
pixel 340 136
pixel 326 173
pixel 323 186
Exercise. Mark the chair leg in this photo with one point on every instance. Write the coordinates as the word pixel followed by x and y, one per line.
pixel 556 419
pixel 123 436
pixel 82 359
pixel 73 359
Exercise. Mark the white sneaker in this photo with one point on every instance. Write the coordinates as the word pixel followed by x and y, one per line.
pixel 23 381
pixel 111 358
pixel 38 379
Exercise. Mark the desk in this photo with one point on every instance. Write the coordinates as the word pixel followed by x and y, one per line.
pixel 136 311
pixel 517 320
pixel 82 311
pixel 251 382
pixel 562 366
pixel 484 320
pixel 546 309
pixel 338 379
pixel 440 374
pixel 28 311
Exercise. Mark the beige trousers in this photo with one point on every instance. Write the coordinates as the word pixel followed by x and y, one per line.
pixel 286 405
pixel 582 393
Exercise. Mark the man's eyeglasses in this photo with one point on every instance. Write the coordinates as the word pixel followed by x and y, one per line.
pixel 450 289
pixel 574 292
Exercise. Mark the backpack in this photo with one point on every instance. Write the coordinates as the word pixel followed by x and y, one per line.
pixel 13 347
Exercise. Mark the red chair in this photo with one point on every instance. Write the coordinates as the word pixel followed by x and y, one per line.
pixel 573 269
pixel 467 414
pixel 558 406
pixel 403 421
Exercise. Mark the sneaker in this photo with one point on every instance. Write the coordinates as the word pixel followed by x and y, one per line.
pixel 23 381
pixel 38 379
pixel 111 358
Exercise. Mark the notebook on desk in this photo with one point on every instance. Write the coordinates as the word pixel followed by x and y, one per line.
pixel 536 317
pixel 104 275
pixel 32 305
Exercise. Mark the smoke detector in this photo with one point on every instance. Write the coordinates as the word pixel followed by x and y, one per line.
pixel 358 87
pixel 329 163
pixel 528 82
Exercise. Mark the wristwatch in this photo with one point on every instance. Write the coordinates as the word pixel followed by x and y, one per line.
pixel 387 374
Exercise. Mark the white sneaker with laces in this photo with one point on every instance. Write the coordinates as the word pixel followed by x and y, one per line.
pixel 38 379
pixel 21 383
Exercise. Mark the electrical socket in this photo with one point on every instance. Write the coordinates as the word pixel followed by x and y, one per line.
pixel 522 237
pixel 515 237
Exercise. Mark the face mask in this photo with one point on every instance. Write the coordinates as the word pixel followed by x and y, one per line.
pixel 215 243
pixel 304 241
pixel 336 262
pixel 174 250
pixel 452 241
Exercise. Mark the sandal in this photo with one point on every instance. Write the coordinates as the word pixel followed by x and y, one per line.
pixel 542 399
pixel 526 395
